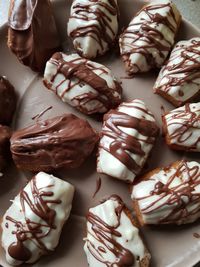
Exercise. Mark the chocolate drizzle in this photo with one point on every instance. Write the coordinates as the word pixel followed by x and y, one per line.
pixel 123 144
pixel 107 235
pixel 182 68
pixel 184 120
pixel 98 186
pixel 147 30
pixel 97 11
pixel 33 230
pixel 181 199
pixel 84 71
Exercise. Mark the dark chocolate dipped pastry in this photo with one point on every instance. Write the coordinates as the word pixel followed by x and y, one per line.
pixel 32 33
pixel 60 142
pixel 5 134
pixel 8 101
pixel 86 85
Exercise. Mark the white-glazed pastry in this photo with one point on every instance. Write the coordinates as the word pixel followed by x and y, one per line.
pixel 147 41
pixel 86 85
pixel 31 227
pixel 127 137
pixel 93 26
pixel 169 195
pixel 113 238
pixel 179 79
pixel 182 127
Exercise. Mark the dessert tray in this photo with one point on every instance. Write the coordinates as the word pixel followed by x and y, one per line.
pixel 170 246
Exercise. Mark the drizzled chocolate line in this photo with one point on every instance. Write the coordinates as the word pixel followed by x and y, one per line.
pixel 185 67
pixel 83 70
pixel 183 120
pixel 123 142
pixel 31 230
pixel 98 186
pixel 177 194
pixel 106 235
pixel 93 11
pixel 150 35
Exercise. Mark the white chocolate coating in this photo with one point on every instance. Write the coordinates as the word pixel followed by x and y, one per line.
pixel 149 37
pixel 107 162
pixel 170 195
pixel 183 127
pixel 93 26
pixel 179 79
pixel 44 182
pixel 95 248
pixel 78 93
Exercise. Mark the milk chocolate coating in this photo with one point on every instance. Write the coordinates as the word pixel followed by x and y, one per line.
pixel 8 100
pixel 32 33
pixel 61 142
pixel 5 134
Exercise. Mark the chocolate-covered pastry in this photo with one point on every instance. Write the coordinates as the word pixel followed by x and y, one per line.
pixel 5 134
pixel 60 142
pixel 93 26
pixel 147 41
pixel 31 227
pixel 169 195
pixel 179 79
pixel 8 101
pixel 127 137
pixel 86 85
pixel 32 33
pixel 182 128
pixel 113 238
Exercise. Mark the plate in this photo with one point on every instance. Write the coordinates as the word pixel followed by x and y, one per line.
pixel 170 246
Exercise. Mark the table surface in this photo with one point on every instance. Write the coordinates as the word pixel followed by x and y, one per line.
pixel 189 8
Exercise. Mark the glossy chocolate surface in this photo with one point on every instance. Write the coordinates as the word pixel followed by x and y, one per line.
pixel 32 32
pixel 61 142
pixel 8 101
pixel 5 134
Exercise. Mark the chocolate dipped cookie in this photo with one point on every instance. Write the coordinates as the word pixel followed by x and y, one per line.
pixel 86 85
pixel 32 32
pixel 8 101
pixel 93 26
pixel 60 142
pixel 148 39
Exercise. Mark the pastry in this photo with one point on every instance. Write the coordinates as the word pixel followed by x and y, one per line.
pixel 32 32
pixel 60 142
pixel 169 195
pixel 8 101
pixel 179 79
pixel 86 85
pixel 127 137
pixel 31 227
pixel 181 127
pixel 5 134
pixel 149 37
pixel 113 237
pixel 93 26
